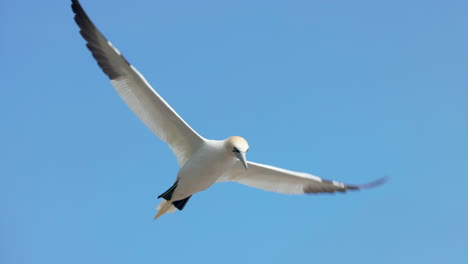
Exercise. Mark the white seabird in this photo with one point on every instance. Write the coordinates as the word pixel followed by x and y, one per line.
pixel 203 162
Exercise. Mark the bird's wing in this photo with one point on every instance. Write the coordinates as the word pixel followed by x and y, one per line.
pixel 274 179
pixel 137 93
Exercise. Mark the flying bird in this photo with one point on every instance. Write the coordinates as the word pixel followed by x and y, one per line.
pixel 203 161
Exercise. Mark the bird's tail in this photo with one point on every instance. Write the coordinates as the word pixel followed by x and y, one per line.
pixel 164 207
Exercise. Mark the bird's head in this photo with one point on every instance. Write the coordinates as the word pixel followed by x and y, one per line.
pixel 238 146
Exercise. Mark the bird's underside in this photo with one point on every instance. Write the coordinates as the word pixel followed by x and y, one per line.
pixel 187 145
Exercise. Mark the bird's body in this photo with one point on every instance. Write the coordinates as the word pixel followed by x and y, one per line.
pixel 206 166
pixel 203 162
pixel 211 162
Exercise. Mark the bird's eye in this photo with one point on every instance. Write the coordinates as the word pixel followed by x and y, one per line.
pixel 235 149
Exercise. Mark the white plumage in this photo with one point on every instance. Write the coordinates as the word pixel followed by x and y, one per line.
pixel 203 162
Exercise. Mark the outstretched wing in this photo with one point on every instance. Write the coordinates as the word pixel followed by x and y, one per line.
pixel 137 93
pixel 275 179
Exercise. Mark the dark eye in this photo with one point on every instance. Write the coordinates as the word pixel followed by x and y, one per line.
pixel 235 149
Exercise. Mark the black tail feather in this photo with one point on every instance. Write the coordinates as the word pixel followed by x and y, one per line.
pixel 181 203
pixel 167 195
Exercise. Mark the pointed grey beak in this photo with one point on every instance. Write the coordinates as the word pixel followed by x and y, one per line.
pixel 241 157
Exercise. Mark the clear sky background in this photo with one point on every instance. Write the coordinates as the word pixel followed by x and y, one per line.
pixel 346 90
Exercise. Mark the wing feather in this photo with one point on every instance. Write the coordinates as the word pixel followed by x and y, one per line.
pixel 137 93
pixel 275 179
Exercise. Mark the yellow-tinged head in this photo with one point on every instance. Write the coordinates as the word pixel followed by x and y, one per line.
pixel 238 146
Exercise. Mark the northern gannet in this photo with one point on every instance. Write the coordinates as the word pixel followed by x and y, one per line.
pixel 203 162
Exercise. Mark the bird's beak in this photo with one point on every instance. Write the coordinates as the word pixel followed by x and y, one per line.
pixel 241 157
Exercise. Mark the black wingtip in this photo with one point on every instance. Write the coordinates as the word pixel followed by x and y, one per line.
pixel 107 57
pixel 369 185
pixel 76 6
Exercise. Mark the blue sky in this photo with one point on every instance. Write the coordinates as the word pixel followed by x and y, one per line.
pixel 346 90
